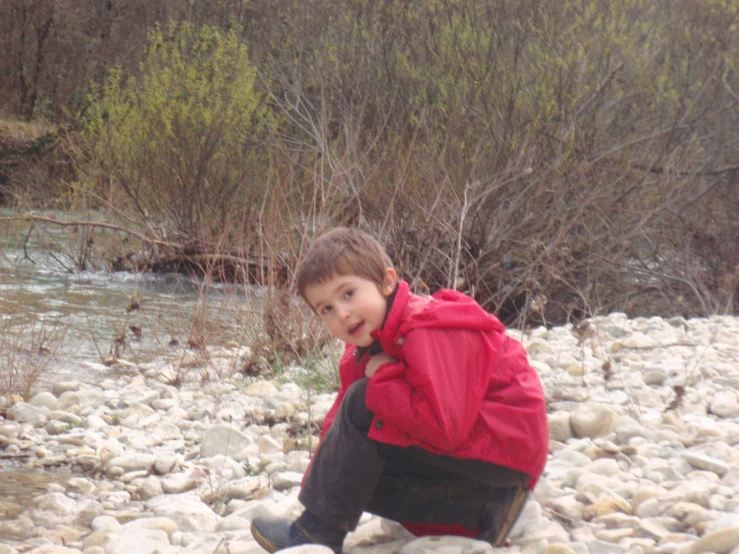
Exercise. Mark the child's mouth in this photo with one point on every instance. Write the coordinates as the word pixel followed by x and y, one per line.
pixel 356 328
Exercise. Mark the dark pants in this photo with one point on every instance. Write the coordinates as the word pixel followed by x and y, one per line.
pixel 351 474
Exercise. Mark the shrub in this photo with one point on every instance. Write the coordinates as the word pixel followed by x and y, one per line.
pixel 176 137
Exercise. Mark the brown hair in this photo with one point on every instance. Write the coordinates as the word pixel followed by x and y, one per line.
pixel 342 251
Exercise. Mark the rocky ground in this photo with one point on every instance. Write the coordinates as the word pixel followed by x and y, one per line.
pixel 644 452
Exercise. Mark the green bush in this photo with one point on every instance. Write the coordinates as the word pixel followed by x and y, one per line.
pixel 177 136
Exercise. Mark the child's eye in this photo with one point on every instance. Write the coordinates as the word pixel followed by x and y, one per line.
pixel 325 310
pixel 348 294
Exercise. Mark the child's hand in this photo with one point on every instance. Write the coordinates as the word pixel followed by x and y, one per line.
pixel 376 361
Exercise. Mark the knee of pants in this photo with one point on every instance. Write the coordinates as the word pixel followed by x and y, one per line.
pixel 354 405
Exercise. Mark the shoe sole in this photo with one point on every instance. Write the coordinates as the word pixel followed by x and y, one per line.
pixel 262 540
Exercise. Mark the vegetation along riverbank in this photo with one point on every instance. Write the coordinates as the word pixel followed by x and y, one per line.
pixel 554 160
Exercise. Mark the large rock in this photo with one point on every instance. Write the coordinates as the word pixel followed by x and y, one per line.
pixel 190 513
pixel 724 404
pixel 139 540
pixel 51 510
pixel 44 399
pixel 84 398
pixel 224 440
pixel 560 426
pixel 627 428
pixel 131 462
pixel 718 542
pixel 593 420
pixel 707 463
pixel 24 413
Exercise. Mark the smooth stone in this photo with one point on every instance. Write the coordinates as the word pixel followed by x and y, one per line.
pixel 724 404
pixel 559 548
pixel 614 535
pixel 187 510
pixel 132 475
pixel 626 428
pixel 165 464
pixel 224 467
pixel 80 398
pixel 706 462
pixel 261 389
pixel 638 545
pixel 51 510
pixel 54 549
pixel 550 531
pixel 25 413
pixel 593 420
pixel 607 506
pixel 177 483
pixel 286 480
pixel 95 422
pixel 642 494
pixel 655 377
pixel 9 429
pixel 132 462
pixel 616 520
pixel 20 529
pixel 161 523
pixel 97 538
pixel 105 522
pixel 232 523
pixel 447 543
pixel 604 466
pixel 81 485
pixel 638 340
pixel 148 487
pixel 560 426
pixel 568 507
pixel 138 540
pixel 67 417
pixel 57 389
pixel 223 440
pixel 138 394
pixel 268 445
pixel 721 541
pixel 44 399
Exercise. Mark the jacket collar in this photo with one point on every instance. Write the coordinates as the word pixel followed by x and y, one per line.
pixel 387 334
pixel 384 337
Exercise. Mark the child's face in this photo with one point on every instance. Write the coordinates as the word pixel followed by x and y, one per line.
pixel 351 306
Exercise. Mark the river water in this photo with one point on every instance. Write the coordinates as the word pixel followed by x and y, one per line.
pixel 55 320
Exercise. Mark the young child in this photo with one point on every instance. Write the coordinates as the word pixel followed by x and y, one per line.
pixel 440 422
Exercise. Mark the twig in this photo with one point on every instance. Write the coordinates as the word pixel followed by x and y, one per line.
pixel 462 217
pixel 25 244
pixel 85 223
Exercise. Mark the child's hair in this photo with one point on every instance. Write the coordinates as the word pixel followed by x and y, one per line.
pixel 342 251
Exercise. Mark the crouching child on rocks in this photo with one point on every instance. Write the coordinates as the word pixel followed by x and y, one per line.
pixel 440 422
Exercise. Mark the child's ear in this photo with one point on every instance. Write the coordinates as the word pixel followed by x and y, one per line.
pixel 389 281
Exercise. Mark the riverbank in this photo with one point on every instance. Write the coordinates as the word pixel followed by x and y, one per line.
pixel 644 451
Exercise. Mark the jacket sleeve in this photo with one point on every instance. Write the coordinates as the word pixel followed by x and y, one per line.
pixel 435 393
pixel 349 372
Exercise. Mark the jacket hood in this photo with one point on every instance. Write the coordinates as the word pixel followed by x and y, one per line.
pixel 447 308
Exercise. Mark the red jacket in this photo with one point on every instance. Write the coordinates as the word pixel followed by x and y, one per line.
pixel 461 387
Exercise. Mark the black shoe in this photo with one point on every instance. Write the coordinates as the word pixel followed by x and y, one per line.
pixel 275 534
pixel 500 514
